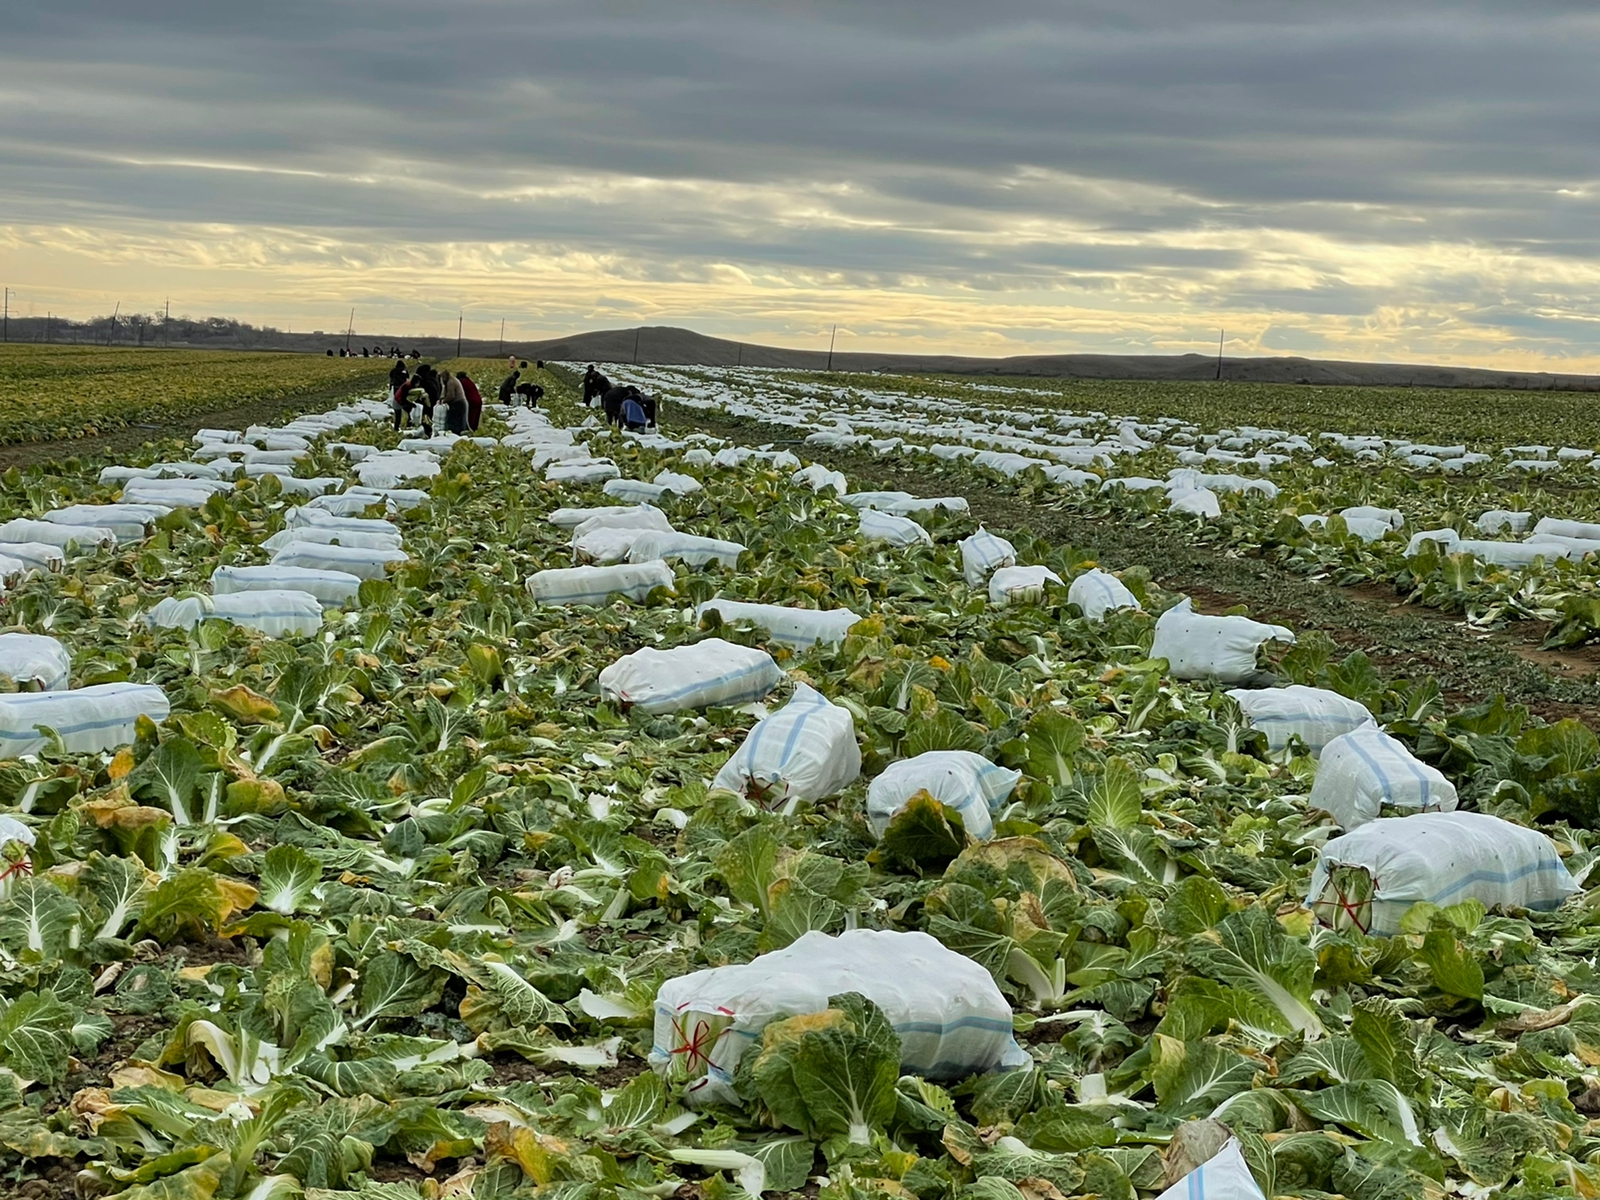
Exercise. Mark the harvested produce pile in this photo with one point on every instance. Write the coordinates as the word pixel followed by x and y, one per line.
pixel 415 903
pixel 49 392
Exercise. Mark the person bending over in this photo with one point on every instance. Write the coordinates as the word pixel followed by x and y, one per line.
pixel 474 400
pixel 633 418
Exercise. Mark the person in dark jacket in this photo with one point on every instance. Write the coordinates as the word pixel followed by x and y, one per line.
pixel 532 393
pixel 455 404
pixel 508 387
pixel 595 386
pixel 633 418
pixel 400 395
pixel 432 390
pixel 474 400
pixel 612 401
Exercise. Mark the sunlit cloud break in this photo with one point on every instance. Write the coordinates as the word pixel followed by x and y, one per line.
pixel 1350 183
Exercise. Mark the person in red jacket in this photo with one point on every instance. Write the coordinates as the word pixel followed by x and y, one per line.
pixel 474 400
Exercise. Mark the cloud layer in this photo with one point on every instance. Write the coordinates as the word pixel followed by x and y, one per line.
pixel 1361 180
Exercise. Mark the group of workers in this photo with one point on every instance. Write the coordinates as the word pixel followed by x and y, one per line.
pixel 423 390
pixel 428 388
pixel 625 406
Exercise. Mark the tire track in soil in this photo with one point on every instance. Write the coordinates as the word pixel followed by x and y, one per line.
pixel 1403 641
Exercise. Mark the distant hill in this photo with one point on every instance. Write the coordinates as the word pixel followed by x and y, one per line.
pixel 670 346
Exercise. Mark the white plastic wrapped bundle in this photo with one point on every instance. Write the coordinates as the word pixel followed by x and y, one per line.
pixel 331 588
pixel 951 1018
pixel 897 531
pixel 1201 647
pixel 592 585
pixel 215 451
pixel 633 516
pixel 1200 502
pixel 292 485
pixel 203 436
pixel 35 658
pixel 607 544
pixel 284 458
pixel 1534 466
pixel 1072 477
pixel 929 504
pixel 1098 592
pixel 88 720
pixel 674 481
pixel 982 554
pixel 635 491
pixel 884 501
pixel 579 473
pixel 34 556
pixel 173 493
pixel 1366 771
pixel 1005 462
pixel 276 439
pixel 1573 548
pixel 958 779
pixel 274 613
pixel 1019 585
pixel 343 504
pixel 332 535
pixel 1132 483
pixel 391 469
pixel 1566 529
pixel 1514 554
pixel 1445 541
pixel 1392 517
pixel 805 751
pixel 818 478
pixel 360 561
pixel 164 470
pixel 392 498
pixel 1314 715
pixel 685 547
pixel 68 537
pixel 1499 520
pixel 130 522
pixel 310 516
pixel 437 446
pixel 354 451
pixel 698 676
pixel 1369 878
pixel 1225 1177
pixel 798 627
pixel 698 457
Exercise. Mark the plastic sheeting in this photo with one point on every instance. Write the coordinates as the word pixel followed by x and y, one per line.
pixel 1366 771
pixel 35 658
pixel 697 676
pixel 331 588
pixel 1314 715
pixel 1201 647
pixel 805 751
pixel 1098 592
pixel 958 779
pixel 275 613
pixel 593 585
pixel 87 720
pixel 798 627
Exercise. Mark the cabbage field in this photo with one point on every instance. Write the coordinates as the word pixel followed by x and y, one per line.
pixel 675 815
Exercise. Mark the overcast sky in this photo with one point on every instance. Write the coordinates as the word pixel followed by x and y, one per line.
pixel 1365 180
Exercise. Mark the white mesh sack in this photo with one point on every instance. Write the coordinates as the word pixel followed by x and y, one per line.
pixel 392 468
pixel 675 481
pixel 35 556
pixel 685 547
pixel 359 561
pixel 799 627
pixel 88 720
pixel 633 516
pixel 313 516
pixel 392 498
pixel 285 458
pixel 958 779
pixel 1500 520
pixel 982 554
pixel 607 544
pixel 579 473
pixel 69 537
pixel 130 522
pixel 274 613
pixel 951 1018
pixel 818 478
pixel 1226 1176
pixel 1098 592
pixel 1571 529
pixel 1363 772
pixel 1367 879
pixel 697 676
pixel 879 500
pixel 897 531
pixel 928 504
pixel 1200 502
pixel 1019 585
pixel 35 658
pixel 1392 517
pixel 331 588
pixel 1445 541
pixel 635 490
pixel 344 504
pixel 1201 647
pixel 332 535
pixel 592 585
pixel 805 751
pixel 1314 715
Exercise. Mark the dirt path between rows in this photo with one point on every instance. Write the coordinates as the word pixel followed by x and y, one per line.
pixel 1404 641
pixel 126 441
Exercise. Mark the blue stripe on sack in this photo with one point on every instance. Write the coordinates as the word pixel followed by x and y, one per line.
pixel 993 1024
pixel 805 716
pixel 1550 867
pixel 1383 777
pixel 64 730
pixel 695 689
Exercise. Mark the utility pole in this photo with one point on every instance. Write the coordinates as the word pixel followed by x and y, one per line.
pixel 166 324
pixel 1220 332
pixel 348 329
pixel 47 326
pixel 502 348
pixel 5 322
pixel 636 335
pixel 460 316
pixel 740 361
pixel 831 338
pixel 112 332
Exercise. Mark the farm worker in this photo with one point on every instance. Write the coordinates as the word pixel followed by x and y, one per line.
pixel 649 403
pixel 455 404
pixel 595 385
pixel 474 400
pixel 428 378
pixel 633 418
pixel 508 387
pixel 531 392
pixel 399 385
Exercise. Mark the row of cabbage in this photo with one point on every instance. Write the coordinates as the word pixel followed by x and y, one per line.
pixel 1008 896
